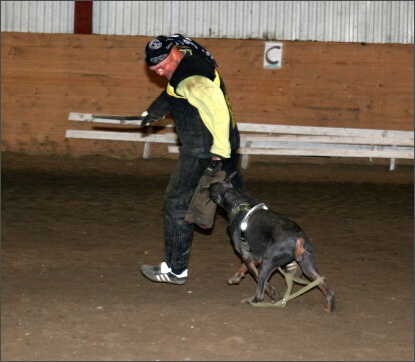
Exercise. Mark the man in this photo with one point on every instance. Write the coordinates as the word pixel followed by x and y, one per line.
pixel 196 98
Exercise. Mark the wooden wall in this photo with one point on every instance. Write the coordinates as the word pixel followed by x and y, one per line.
pixel 46 76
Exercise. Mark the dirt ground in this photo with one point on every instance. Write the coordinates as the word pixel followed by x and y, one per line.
pixel 75 232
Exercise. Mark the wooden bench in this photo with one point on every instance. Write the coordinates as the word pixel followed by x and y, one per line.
pixel 267 139
pixel 263 139
pixel 147 135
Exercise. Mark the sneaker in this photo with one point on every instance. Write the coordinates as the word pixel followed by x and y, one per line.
pixel 163 274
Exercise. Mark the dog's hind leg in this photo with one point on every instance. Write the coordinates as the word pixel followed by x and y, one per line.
pixel 306 260
pixel 312 273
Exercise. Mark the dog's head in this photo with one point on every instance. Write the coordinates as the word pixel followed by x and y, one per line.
pixel 217 190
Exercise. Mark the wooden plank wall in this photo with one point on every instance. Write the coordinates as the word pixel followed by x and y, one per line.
pixel 46 76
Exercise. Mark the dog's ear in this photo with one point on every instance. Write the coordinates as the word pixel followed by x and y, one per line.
pixel 231 176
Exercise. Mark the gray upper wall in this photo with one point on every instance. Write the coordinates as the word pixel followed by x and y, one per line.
pixel 326 21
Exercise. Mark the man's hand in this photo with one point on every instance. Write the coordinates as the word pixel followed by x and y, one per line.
pixel 147 119
pixel 213 167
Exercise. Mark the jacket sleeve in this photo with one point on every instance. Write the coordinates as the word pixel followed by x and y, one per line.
pixel 208 98
pixel 160 107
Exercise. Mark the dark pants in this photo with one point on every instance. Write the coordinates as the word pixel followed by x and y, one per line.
pixel 178 234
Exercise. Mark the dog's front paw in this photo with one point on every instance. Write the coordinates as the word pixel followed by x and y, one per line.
pixel 246 301
pixel 235 279
pixel 239 274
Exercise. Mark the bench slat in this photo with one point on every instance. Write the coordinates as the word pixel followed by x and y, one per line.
pixel 122 136
pixel 323 131
pixel 88 117
pixel 327 139
pixel 320 145
pixel 332 153
pixel 313 152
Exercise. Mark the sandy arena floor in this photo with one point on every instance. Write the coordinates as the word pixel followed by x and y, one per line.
pixel 75 232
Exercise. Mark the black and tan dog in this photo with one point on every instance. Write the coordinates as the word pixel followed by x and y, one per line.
pixel 265 238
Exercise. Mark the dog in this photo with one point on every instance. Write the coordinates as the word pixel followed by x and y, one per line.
pixel 266 239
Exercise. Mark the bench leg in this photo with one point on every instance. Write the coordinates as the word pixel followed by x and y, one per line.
pixel 146 150
pixel 245 161
pixel 245 158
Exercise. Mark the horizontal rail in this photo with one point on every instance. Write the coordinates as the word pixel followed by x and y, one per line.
pixel 267 139
pixel 90 117
pixel 122 136
pixel 324 131
pixel 317 152
pixel 328 139
pixel 325 152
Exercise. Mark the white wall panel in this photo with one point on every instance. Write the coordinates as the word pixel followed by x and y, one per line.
pixel 38 16
pixel 339 21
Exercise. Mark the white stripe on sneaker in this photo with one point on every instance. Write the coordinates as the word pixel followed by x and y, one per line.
pixel 163 278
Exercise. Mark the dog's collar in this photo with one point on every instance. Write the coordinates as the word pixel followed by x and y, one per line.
pixel 244 222
pixel 244 206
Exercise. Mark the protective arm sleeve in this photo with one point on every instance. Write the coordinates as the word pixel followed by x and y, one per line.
pixel 208 98
pixel 160 107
